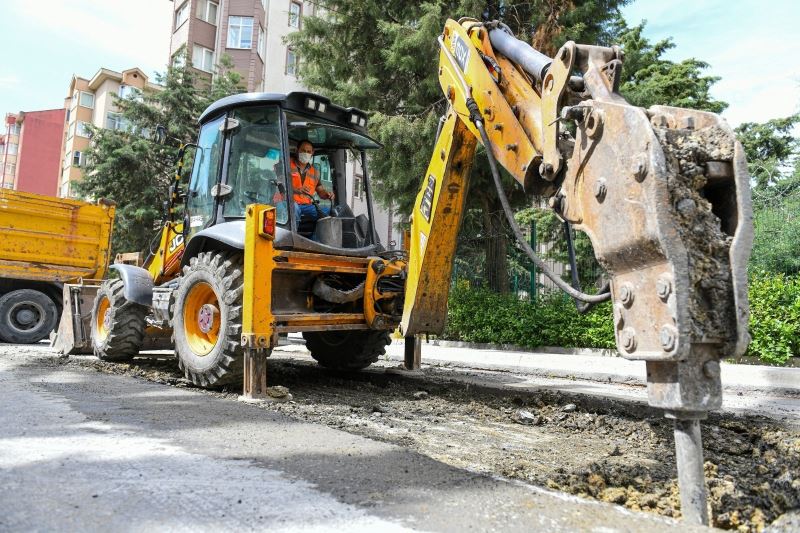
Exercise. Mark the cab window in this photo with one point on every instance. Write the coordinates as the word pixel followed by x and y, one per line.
pixel 200 203
pixel 255 165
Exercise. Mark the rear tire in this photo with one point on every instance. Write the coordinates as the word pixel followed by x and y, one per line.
pixel 346 350
pixel 117 324
pixel 26 316
pixel 207 319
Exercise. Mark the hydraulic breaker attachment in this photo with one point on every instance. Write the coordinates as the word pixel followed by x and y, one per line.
pixel 74 334
pixel 664 196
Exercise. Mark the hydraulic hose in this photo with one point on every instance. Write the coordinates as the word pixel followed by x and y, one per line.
pixel 560 283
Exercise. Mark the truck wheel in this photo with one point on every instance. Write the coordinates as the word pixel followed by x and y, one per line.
pixel 26 316
pixel 117 324
pixel 347 350
pixel 207 319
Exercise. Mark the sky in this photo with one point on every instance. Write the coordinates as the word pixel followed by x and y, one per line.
pixel 752 45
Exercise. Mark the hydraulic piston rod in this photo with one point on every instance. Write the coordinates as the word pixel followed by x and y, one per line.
pixel 531 60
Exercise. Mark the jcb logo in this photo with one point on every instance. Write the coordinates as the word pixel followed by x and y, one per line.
pixel 175 243
pixel 461 52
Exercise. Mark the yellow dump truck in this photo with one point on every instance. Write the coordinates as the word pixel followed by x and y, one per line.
pixel 46 243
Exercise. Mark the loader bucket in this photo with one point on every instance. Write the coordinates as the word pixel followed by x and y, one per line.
pixel 74 334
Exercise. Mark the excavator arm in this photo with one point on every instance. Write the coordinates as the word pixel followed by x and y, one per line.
pixel 663 194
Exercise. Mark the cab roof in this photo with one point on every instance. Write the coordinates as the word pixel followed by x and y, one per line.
pixel 295 101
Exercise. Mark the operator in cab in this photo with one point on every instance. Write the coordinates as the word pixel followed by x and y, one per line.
pixel 305 183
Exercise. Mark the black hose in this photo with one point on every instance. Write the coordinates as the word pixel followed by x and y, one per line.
pixel 560 283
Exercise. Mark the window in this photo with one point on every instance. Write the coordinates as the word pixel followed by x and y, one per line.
pixel 200 204
pixel 77 159
pixel 14 129
pixel 255 166
pixel 240 32
pixel 203 58
pixel 10 168
pixel 126 91
pixel 182 14
pixel 358 180
pixel 11 149
pixel 262 41
pixel 87 100
pixel 291 62
pixel 295 12
pixel 82 129
pixel 207 11
pixel 115 121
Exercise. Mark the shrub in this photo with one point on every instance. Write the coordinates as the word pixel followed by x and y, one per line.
pixel 482 316
pixel 774 317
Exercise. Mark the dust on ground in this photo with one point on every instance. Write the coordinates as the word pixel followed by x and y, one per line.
pixel 608 450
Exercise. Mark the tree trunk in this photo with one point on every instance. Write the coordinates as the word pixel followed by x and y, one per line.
pixel 495 245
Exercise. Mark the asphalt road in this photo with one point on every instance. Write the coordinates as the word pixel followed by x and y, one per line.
pixel 81 450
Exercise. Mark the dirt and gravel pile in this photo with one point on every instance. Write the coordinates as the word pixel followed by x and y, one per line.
pixel 609 450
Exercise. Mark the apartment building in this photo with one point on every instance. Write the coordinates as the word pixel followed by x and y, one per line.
pixel 92 102
pixel 39 155
pixel 251 33
pixel 9 148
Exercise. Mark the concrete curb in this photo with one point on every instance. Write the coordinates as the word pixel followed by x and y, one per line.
pixel 514 348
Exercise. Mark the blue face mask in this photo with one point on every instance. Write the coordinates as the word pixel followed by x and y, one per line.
pixel 273 153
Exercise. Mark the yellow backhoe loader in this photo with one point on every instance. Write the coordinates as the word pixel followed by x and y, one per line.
pixel 662 193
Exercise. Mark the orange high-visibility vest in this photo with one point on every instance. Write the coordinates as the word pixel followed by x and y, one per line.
pixel 306 181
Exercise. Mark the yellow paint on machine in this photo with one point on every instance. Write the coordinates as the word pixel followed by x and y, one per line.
pixel 53 239
pixel 258 323
pixel 437 215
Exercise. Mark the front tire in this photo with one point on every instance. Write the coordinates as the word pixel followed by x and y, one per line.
pixel 207 319
pixel 26 316
pixel 346 350
pixel 117 324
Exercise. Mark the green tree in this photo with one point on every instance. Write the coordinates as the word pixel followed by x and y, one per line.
pixel 649 79
pixel 125 166
pixel 772 156
pixel 771 148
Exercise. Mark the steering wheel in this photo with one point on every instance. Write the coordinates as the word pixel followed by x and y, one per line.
pixel 315 202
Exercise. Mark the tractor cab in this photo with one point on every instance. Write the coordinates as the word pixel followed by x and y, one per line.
pixel 245 154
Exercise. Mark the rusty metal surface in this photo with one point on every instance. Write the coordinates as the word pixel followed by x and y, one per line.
pixel 53 239
pixel 553 87
pixel 663 195
pixel 74 333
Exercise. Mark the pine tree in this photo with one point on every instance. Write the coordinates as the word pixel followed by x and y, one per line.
pixel 126 166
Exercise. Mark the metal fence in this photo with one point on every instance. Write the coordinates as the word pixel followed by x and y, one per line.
pixel 524 279
pixel 776 220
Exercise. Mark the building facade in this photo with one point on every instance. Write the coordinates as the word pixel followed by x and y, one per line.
pixel 252 33
pixel 39 155
pixel 92 102
pixel 9 148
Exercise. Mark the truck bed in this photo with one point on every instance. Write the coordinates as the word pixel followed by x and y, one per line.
pixel 53 239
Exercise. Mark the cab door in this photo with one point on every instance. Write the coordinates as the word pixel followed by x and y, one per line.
pixel 200 203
